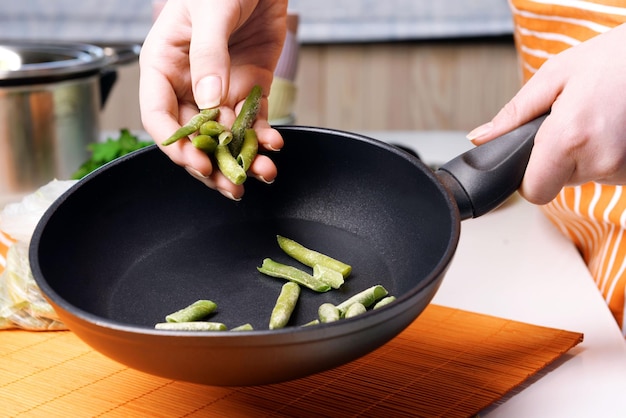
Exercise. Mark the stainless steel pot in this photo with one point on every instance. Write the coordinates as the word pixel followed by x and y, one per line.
pixel 50 100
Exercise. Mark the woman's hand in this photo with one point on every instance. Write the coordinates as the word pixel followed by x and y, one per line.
pixel 204 54
pixel 584 137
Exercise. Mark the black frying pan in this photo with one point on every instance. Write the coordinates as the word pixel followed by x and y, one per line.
pixel 140 238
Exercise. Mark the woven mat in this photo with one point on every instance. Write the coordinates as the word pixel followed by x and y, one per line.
pixel 449 362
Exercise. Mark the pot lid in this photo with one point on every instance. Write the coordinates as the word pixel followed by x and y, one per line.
pixel 27 61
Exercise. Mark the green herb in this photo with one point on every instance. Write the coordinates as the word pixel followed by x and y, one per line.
pixel 109 150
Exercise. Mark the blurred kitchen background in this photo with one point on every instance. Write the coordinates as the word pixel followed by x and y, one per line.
pixel 362 64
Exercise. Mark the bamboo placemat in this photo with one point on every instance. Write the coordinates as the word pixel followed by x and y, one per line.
pixel 449 362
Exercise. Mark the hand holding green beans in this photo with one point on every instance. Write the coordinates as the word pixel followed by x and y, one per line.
pixel 232 150
pixel 235 46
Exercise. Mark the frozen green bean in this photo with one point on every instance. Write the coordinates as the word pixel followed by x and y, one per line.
pixel 244 327
pixel 249 149
pixel 225 137
pixel 331 277
pixel 197 310
pixel 205 143
pixel 191 326
pixel 354 310
pixel 245 118
pixel 285 305
pixel 192 126
pixel 384 301
pixel 366 297
pixel 228 165
pixel 310 257
pixel 211 128
pixel 282 271
pixel 211 113
pixel 327 312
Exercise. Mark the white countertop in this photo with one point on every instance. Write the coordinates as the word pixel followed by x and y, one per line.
pixel 513 263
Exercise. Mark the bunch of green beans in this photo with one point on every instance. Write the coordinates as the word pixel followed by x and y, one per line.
pixel 328 272
pixel 232 150
pixel 375 296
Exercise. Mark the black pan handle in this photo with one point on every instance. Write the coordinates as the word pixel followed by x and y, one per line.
pixel 484 177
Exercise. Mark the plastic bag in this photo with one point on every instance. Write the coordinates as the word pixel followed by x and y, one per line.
pixel 22 304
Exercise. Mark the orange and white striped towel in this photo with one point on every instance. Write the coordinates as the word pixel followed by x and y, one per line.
pixel 593 216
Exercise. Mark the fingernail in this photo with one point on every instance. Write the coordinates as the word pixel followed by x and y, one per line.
pixel 264 180
pixel 480 131
pixel 195 172
pixel 228 195
pixel 208 92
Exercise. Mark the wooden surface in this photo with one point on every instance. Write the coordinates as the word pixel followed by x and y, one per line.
pixel 452 85
pixel 449 362
pixel 405 86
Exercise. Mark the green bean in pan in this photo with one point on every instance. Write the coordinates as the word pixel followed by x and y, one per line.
pixel 354 310
pixel 285 305
pixel 282 271
pixel 228 165
pixel 205 143
pixel 327 312
pixel 244 327
pixel 192 126
pixel 366 297
pixel 197 310
pixel 191 326
pixel 327 275
pixel 249 149
pixel 310 257
pixel 384 301
pixel 245 118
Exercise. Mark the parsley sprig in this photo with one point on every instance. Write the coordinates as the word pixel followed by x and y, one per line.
pixel 109 150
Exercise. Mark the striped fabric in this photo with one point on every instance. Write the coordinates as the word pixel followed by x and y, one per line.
pixel 5 243
pixel 593 216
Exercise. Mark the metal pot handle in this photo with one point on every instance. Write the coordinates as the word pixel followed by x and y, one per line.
pixel 484 177
pixel 117 54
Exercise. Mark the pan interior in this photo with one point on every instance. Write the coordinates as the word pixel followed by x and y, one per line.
pixel 141 238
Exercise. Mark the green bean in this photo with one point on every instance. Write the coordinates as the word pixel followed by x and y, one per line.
pixel 211 113
pixel 228 165
pixel 327 275
pixel 191 326
pixel 285 305
pixel 225 137
pixel 282 271
pixel 313 322
pixel 249 149
pixel 384 301
pixel 245 118
pixel 205 143
pixel 192 126
pixel 211 128
pixel 197 310
pixel 310 257
pixel 366 297
pixel 354 310
pixel 327 312
pixel 244 327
